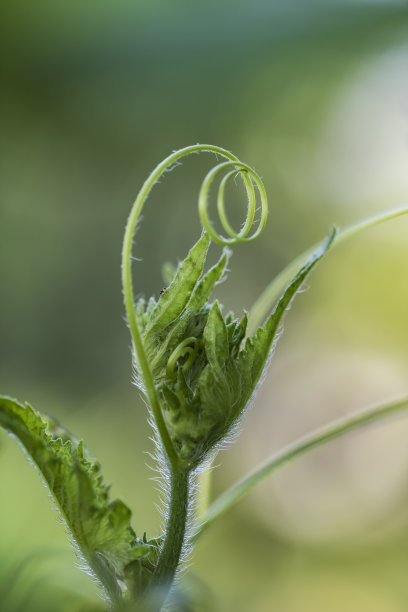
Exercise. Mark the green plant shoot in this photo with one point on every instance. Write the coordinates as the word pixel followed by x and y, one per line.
pixel 199 370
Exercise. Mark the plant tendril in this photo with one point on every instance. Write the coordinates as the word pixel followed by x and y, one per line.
pixel 251 180
pixel 184 349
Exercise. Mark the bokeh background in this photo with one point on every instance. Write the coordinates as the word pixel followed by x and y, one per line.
pixel 315 97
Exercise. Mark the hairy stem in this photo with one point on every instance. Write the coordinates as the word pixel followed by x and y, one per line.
pixel 175 533
pixel 334 430
pixel 267 298
pixel 179 483
pixel 108 581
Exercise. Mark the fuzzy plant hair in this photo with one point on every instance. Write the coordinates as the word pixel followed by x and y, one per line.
pixel 198 371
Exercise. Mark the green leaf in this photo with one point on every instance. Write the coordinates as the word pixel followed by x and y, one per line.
pixel 216 341
pixel 181 311
pixel 175 298
pixel 204 288
pixel 253 358
pixel 100 528
pixel 203 373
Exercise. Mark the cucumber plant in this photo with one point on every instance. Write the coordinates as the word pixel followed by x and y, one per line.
pixel 198 370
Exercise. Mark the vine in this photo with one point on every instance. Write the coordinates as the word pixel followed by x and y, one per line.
pixel 199 371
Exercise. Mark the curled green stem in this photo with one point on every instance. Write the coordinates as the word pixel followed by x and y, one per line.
pixel 175 535
pixel 186 350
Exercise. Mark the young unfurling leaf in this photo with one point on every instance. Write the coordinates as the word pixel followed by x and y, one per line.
pixel 203 372
pixel 100 528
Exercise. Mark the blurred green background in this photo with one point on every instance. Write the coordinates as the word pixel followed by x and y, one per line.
pixel 314 96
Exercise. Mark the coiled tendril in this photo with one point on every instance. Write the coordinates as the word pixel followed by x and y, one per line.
pixel 188 348
pixel 252 182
